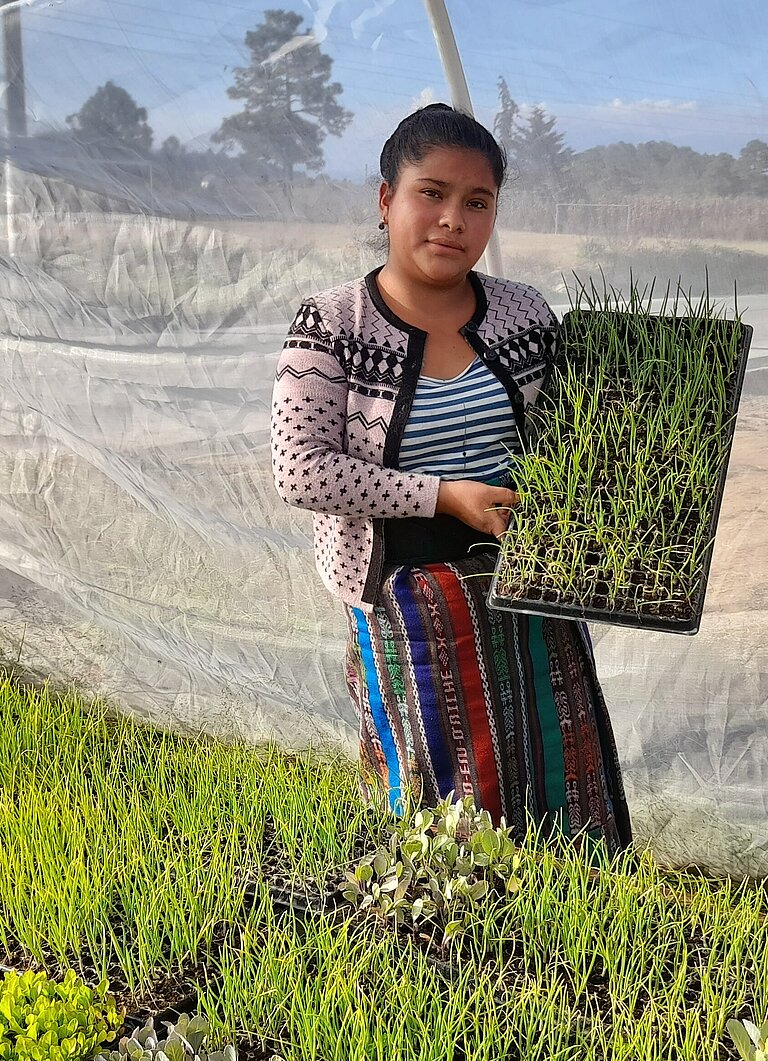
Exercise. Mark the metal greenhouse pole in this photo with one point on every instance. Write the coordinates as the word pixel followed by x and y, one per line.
pixel 457 83
pixel 15 106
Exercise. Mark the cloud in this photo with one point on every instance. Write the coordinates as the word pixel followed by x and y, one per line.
pixel 526 109
pixel 656 105
pixel 710 128
pixel 424 98
pixel 322 15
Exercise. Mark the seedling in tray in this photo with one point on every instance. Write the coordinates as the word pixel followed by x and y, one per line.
pixel 621 490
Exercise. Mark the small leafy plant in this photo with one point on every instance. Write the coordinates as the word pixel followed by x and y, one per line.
pixel 438 866
pixel 183 1041
pixel 751 1041
pixel 48 1020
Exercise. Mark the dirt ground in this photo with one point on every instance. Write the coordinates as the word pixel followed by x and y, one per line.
pixel 558 250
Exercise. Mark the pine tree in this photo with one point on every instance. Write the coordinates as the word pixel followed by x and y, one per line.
pixel 110 120
pixel 290 102
pixel 504 128
pixel 541 153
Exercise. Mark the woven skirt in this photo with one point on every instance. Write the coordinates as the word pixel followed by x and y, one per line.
pixel 455 697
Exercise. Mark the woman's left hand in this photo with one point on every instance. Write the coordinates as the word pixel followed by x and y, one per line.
pixel 486 508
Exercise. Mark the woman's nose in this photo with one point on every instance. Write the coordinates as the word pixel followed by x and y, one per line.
pixel 453 217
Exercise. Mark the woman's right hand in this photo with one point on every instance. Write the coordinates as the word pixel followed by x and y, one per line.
pixel 486 508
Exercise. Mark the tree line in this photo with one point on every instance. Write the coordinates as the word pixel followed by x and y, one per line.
pixel 543 162
pixel 291 104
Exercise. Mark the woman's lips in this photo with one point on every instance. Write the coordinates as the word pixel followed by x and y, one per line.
pixel 449 248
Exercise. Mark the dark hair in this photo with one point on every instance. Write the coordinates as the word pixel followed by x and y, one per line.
pixel 438 125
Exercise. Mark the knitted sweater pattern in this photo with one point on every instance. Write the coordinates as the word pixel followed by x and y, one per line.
pixel 343 390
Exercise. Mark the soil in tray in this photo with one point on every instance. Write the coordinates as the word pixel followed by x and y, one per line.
pixel 628 602
pixel 248 1051
pixel 638 596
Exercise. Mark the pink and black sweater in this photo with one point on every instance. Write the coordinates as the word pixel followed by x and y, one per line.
pixel 343 391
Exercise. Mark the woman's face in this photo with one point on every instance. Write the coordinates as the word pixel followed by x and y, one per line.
pixel 440 216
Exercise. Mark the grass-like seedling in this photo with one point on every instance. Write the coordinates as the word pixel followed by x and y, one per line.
pixel 127 849
pixel 621 491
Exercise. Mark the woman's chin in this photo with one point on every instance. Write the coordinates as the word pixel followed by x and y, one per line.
pixel 444 270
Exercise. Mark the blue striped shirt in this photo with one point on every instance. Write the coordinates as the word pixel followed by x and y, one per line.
pixel 460 428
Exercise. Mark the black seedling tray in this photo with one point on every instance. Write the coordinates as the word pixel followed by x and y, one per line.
pixel 532 605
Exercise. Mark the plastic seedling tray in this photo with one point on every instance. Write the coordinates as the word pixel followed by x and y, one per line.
pixel 537 585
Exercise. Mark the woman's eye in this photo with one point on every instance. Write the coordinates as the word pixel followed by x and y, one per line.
pixel 480 203
pixel 431 191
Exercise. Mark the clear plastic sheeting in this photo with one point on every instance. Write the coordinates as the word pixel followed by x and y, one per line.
pixel 150 262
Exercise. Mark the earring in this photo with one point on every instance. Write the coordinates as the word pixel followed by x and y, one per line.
pixel 382 224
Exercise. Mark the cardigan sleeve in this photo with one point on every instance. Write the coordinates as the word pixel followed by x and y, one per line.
pixel 310 467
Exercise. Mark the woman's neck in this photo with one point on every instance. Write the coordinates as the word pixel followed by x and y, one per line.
pixel 415 302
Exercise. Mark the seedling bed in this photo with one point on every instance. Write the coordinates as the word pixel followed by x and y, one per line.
pixel 515 951
pixel 258 940
pixel 620 493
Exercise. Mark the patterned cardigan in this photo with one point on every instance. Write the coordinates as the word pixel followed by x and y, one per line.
pixel 343 392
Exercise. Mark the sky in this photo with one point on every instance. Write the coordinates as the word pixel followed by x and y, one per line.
pixel 689 71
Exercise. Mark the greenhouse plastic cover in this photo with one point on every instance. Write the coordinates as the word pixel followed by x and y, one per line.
pixel 144 553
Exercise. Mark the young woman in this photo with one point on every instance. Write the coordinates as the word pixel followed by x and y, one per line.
pixel 397 402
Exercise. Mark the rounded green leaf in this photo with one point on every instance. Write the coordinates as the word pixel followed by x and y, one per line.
pixel 753 1030
pixel 381 863
pixel 174 1047
pixel 364 872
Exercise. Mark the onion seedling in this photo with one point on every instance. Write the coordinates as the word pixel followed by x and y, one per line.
pixel 636 423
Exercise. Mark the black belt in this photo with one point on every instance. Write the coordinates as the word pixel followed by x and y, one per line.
pixel 440 539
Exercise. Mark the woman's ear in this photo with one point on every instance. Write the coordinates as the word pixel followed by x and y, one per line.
pixel 385 194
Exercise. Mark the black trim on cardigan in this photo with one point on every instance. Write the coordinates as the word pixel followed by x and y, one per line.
pixel 412 362
pixel 477 318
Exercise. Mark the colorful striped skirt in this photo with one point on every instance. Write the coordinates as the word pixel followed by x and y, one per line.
pixel 453 696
